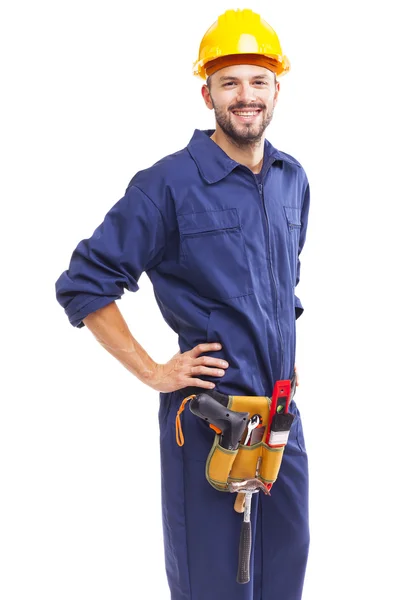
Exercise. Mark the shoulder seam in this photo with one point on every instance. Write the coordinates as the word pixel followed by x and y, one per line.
pixel 154 204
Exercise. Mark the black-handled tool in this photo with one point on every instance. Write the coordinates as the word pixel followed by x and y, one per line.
pixel 228 423
pixel 245 543
pixel 248 487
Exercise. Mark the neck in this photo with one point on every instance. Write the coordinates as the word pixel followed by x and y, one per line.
pixel 250 155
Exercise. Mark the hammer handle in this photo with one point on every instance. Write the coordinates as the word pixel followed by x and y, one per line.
pixel 243 574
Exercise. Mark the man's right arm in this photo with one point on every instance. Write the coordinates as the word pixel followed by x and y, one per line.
pixel 112 332
pixel 130 240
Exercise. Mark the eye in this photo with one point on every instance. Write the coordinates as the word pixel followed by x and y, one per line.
pixel 229 83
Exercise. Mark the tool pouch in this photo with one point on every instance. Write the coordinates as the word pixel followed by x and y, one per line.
pixel 246 462
pixel 258 460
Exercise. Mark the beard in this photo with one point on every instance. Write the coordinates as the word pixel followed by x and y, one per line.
pixel 242 134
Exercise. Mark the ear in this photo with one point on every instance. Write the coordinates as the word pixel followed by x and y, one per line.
pixel 206 96
pixel 275 98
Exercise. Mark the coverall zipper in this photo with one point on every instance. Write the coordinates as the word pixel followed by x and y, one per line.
pixel 260 186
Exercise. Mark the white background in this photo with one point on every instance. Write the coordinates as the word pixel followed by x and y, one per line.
pixel 93 92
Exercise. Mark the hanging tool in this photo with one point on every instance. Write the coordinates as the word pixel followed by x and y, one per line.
pixel 248 487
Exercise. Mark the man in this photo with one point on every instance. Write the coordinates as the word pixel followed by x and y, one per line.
pixel 218 227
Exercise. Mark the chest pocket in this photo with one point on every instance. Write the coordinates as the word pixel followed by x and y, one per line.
pixel 293 223
pixel 212 249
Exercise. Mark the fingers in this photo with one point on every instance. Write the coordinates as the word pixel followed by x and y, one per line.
pixel 297 376
pixel 213 361
pixel 193 381
pixel 184 369
pixel 200 348
pixel 205 365
pixel 201 370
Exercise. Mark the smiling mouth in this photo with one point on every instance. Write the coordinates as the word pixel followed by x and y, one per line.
pixel 246 115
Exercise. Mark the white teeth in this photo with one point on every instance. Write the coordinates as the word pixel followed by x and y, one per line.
pixel 246 114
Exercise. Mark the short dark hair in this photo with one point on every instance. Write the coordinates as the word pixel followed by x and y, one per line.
pixel 209 83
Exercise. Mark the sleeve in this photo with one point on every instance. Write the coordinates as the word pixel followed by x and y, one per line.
pixel 304 225
pixel 130 240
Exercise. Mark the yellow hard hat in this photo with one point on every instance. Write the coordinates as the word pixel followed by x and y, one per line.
pixel 240 32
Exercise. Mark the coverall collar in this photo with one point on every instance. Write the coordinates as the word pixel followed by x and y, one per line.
pixel 214 164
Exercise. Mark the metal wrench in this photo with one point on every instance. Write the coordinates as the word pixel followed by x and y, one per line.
pixel 254 422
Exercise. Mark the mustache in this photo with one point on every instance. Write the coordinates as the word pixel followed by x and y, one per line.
pixel 249 107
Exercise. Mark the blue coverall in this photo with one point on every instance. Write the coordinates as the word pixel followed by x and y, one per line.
pixel 221 247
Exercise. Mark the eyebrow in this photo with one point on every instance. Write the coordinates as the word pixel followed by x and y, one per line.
pixel 231 78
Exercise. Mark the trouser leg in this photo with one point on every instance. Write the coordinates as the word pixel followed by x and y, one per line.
pixel 201 527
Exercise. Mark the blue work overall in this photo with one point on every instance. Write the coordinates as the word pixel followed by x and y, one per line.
pixel 221 247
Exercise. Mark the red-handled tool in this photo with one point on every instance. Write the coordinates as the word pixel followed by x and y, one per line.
pixel 280 403
pixel 280 419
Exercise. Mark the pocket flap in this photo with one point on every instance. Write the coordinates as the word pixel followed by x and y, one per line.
pixel 209 220
pixel 292 215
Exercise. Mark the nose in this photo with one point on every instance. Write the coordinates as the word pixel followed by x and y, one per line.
pixel 246 93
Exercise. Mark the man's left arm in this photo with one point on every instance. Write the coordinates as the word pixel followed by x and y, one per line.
pixel 304 224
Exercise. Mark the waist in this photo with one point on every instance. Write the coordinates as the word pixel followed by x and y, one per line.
pixel 231 391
